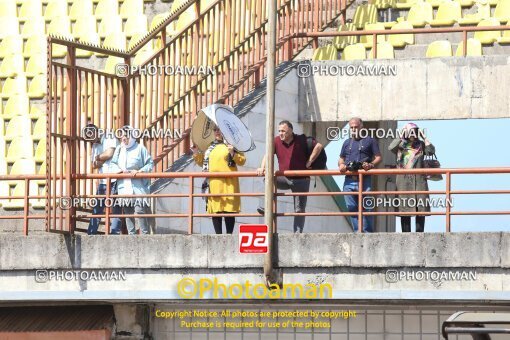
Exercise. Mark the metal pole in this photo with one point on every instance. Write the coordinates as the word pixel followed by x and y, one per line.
pixel 269 179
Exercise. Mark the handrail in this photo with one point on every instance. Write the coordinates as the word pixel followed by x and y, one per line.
pixel 375 33
pixel 84 214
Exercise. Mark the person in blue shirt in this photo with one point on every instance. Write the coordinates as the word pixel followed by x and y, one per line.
pixel 365 151
pixel 132 157
pixel 103 147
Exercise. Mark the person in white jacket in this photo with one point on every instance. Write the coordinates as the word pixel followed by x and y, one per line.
pixel 132 157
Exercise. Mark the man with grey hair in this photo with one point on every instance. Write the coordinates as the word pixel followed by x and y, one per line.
pixel 358 153
pixel 293 154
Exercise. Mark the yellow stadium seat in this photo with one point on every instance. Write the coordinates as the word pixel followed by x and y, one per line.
pixel 341 42
pixel 80 8
pixel 502 11
pixel 116 40
pixel 8 9
pixel 23 167
pixel 440 48
pixel 55 8
pixel 39 129
pixel 380 4
pixel 60 26
pixel 483 12
pixel 9 26
pixel 465 3
pixel 136 38
pixel 36 65
pixel 35 45
pixel 84 25
pixel 107 26
pixel 37 112
pixel 30 9
pixel 19 148
pixel 17 105
pixel 106 8
pixel 368 40
pixel 447 14
pixel 18 126
pixel 401 40
pixel 135 24
pixel 159 19
pixel 130 8
pixel 384 51
pixel 19 192
pixel 325 53
pixel 14 86
pixel 88 37
pixel 37 87
pixel 365 14
pixel 474 48
pixel 488 37
pixel 420 14
pixel 405 4
pixel 505 38
pixel 40 151
pixel 434 3
pixel 34 26
pixel 354 52
pixel 12 44
pixel 12 66
pixel 111 63
pixel 142 56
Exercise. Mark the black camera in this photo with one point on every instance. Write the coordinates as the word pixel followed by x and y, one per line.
pixel 354 166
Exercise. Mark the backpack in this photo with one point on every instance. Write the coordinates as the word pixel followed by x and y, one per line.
pixel 321 160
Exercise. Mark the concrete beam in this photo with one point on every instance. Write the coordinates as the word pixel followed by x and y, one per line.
pixel 378 250
pixel 423 88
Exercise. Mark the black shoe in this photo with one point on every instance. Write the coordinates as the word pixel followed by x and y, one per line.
pixel 261 210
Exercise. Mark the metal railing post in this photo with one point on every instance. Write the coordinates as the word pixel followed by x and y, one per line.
pixel 448 195
pixel 360 202
pixel 190 205
pixel 25 209
pixel 107 209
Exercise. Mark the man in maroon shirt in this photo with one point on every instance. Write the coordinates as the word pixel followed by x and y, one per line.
pixel 291 151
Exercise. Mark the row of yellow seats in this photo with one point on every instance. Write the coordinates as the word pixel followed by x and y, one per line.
pixel 396 40
pixel 449 13
pixel 406 4
pixel 23 126
pixel 18 105
pixel 354 52
pixel 31 9
pixel 385 50
pixel 14 65
pixel 16 188
pixel 18 85
pixel 22 148
pixel 61 26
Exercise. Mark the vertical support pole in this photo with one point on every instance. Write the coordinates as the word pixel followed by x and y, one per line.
pixel 71 123
pixel 270 116
pixel 25 209
pixel 190 206
pixel 360 203
pixel 374 46
pixel 107 208
pixel 448 196
pixel 464 42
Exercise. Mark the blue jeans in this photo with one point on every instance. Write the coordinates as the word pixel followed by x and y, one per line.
pixel 99 210
pixel 351 185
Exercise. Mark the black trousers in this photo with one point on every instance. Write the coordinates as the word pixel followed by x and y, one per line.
pixel 229 224
pixel 405 222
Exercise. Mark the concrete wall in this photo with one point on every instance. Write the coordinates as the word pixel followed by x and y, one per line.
pixel 357 266
pixel 255 119
pixel 440 88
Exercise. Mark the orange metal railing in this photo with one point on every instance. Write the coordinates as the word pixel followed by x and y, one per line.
pixel 375 33
pixel 191 195
pixel 228 36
